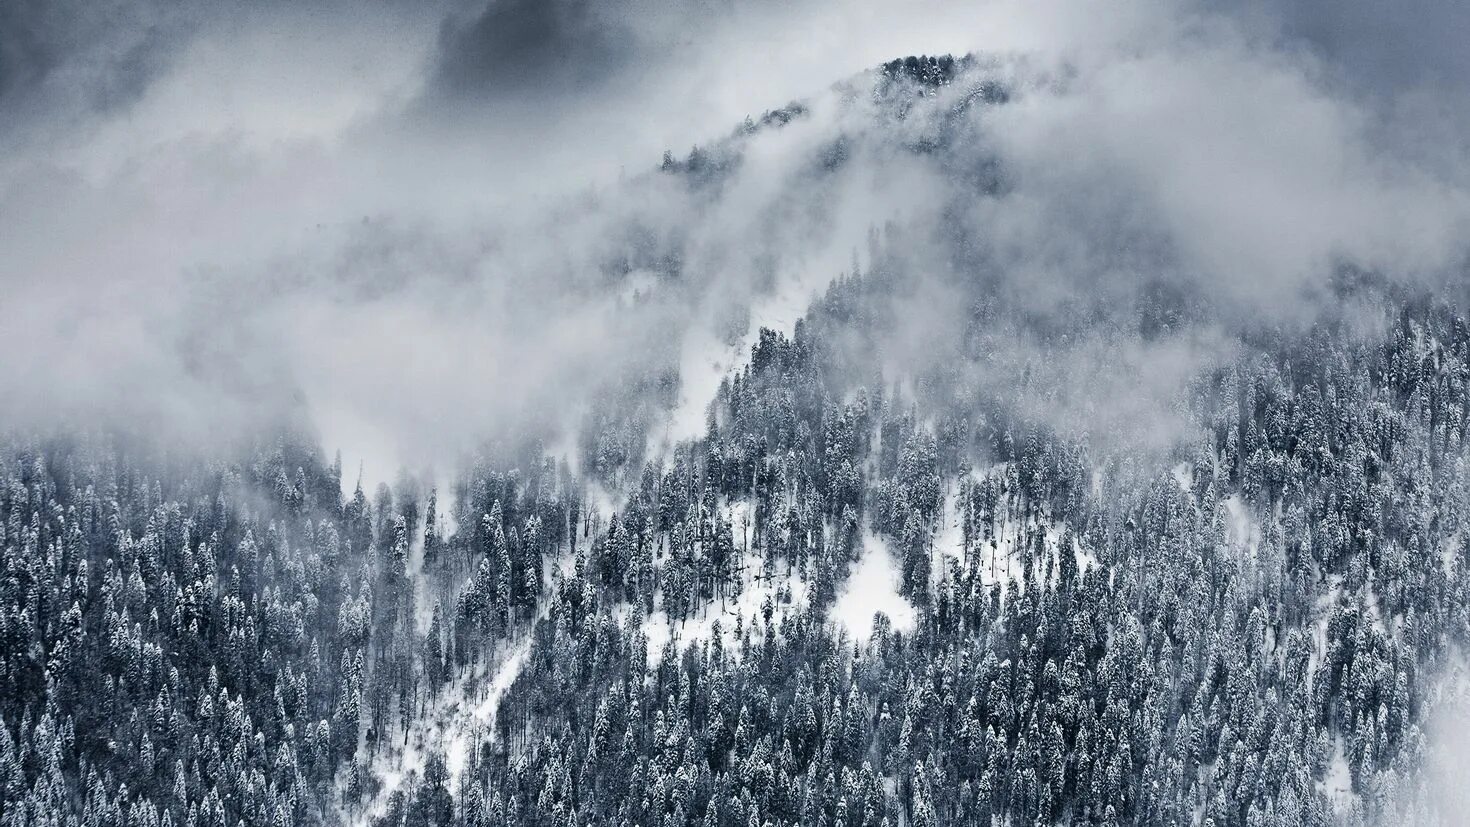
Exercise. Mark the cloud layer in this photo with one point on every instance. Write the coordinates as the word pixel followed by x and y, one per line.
pixel 418 226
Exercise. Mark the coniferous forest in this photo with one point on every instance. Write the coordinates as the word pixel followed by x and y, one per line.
pixel 981 528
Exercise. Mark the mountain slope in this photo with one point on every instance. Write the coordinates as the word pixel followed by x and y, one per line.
pixel 963 544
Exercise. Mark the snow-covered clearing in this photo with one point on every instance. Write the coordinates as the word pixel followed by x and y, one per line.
pixel 460 716
pixel 1241 530
pixel 1337 783
pixel 949 544
pixel 786 592
pixel 453 723
pixel 1183 475
pixel 477 723
pixel 872 587
pixel 949 541
pixel 995 557
pixel 755 590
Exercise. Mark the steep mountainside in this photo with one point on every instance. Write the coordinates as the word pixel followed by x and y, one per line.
pixel 902 541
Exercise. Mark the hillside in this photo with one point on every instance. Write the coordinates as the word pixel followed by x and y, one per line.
pixel 849 522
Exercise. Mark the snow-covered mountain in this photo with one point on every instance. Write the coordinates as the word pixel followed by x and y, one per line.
pixel 992 439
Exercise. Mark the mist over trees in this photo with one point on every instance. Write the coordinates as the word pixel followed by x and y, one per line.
pixel 1245 638
pixel 953 445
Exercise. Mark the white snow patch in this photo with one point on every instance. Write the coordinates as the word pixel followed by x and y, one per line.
pixel 995 558
pixel 741 517
pixel 872 587
pixel 461 716
pixel 1086 560
pixel 480 716
pixel 659 629
pixel 755 589
pixel 950 540
pixel 1183 476
pixel 1241 530
pixel 1371 609
pixel 1337 783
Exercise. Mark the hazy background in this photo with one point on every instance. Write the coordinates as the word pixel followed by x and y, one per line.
pixel 415 226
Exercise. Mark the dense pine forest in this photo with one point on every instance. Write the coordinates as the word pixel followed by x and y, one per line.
pixel 954 544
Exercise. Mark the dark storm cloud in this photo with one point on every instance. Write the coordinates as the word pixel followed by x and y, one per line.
pixel 523 46
pixel 27 47
pixel 94 56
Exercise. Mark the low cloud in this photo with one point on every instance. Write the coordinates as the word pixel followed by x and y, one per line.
pixel 418 226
